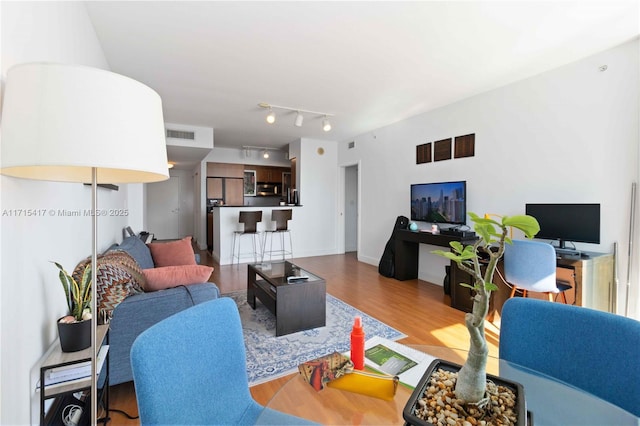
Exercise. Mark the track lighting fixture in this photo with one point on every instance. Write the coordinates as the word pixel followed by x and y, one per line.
pixel 265 154
pixel 271 117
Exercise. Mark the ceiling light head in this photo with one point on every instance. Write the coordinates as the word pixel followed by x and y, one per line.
pixel 170 165
pixel 271 117
pixel 299 119
pixel 326 125
pixel 265 154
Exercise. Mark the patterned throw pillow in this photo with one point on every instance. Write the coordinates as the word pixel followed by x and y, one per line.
pixel 118 276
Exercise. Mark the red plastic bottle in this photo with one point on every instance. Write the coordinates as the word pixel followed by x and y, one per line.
pixel 357 344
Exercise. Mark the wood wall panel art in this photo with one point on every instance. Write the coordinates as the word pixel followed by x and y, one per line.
pixel 442 150
pixel 464 146
pixel 423 153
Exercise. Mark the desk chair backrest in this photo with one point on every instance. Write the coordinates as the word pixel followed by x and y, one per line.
pixel 250 220
pixel 592 350
pixel 190 368
pixel 530 265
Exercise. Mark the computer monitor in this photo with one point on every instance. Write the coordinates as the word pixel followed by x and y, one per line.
pixel 567 222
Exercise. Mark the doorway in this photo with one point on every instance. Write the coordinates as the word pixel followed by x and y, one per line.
pixel 163 208
pixel 351 208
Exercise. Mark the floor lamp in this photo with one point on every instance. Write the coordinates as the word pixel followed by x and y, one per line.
pixel 69 123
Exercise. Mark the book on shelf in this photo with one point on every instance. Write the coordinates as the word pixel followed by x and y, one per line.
pixel 73 373
pixel 396 359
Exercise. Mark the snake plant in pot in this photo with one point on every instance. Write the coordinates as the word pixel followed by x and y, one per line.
pixel 74 329
pixel 479 260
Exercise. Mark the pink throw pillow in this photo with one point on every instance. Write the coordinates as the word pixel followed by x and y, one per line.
pixel 173 276
pixel 173 253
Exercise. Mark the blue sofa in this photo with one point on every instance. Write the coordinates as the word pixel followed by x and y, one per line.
pixel 139 311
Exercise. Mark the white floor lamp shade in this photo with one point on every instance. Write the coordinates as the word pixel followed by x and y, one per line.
pixel 72 123
pixel 60 121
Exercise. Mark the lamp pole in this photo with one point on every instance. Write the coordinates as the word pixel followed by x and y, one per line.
pixel 94 298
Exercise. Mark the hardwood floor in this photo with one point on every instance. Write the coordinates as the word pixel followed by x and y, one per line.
pixel 417 308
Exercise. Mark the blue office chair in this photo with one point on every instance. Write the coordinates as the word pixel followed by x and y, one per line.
pixel 191 369
pixel 531 266
pixel 593 350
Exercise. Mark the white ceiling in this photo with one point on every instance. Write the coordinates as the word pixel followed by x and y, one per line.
pixel 369 63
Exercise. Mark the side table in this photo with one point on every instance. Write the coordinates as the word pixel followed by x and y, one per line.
pixel 59 391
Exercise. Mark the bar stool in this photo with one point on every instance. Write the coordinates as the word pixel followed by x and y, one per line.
pixel 250 220
pixel 281 218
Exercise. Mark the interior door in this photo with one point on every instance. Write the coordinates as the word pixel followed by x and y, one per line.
pixel 351 209
pixel 163 208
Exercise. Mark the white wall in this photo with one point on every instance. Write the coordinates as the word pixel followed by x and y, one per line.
pixel 317 183
pixel 568 135
pixel 31 298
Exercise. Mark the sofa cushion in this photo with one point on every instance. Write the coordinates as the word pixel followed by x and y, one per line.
pixel 172 253
pixel 172 276
pixel 118 276
pixel 138 250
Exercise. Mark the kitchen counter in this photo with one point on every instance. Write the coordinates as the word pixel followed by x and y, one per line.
pixel 225 222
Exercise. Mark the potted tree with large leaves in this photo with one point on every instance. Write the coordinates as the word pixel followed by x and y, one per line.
pixel 479 261
pixel 74 329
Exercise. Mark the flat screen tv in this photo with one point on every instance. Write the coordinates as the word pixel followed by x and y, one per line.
pixel 567 222
pixel 440 202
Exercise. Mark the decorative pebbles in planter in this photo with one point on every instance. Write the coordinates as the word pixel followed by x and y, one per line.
pixel 433 401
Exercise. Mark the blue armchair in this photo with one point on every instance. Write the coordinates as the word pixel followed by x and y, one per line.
pixel 191 369
pixel 579 346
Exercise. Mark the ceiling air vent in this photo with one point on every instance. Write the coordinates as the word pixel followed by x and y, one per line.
pixel 352 145
pixel 181 134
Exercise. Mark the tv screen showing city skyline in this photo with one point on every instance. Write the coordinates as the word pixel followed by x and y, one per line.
pixel 441 202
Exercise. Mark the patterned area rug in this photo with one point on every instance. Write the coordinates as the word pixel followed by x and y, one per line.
pixel 270 357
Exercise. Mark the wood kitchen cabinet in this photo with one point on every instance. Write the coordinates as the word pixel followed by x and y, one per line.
pixel 269 174
pixel 227 190
pixel 234 192
pixel 214 188
pixel 262 173
pixel 227 170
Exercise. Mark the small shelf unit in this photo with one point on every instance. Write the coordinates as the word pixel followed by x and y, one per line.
pixel 56 359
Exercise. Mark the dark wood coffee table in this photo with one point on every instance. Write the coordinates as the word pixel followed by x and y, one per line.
pixel 298 306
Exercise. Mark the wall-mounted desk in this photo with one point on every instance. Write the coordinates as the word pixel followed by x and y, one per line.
pixel 592 276
pixel 406 244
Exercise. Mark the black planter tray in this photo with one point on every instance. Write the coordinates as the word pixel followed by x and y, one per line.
pixel 524 417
